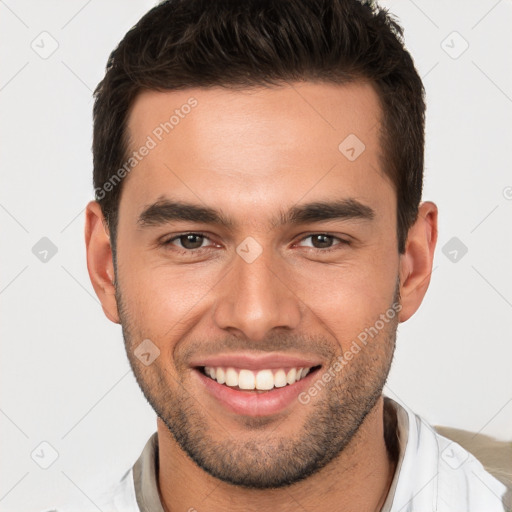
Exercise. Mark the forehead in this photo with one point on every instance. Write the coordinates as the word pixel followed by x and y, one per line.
pixel 304 109
pixel 257 146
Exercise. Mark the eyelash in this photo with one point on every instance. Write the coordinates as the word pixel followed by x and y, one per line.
pixel 166 243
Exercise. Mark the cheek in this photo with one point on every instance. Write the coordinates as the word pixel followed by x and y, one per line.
pixel 348 298
pixel 163 301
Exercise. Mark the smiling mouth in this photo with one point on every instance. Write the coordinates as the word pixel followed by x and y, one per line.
pixel 260 381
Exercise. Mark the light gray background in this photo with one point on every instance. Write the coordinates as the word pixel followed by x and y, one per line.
pixel 65 378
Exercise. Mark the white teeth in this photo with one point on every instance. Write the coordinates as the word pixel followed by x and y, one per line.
pixel 291 376
pixel 221 375
pixel 246 379
pixel 280 379
pixel 231 377
pixel 263 380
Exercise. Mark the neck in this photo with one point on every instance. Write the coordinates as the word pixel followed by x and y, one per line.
pixel 358 479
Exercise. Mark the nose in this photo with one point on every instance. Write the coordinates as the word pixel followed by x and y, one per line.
pixel 257 297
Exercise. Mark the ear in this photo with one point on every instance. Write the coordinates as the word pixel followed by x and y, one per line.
pixel 416 262
pixel 99 260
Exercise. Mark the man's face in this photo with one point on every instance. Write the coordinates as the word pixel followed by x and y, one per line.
pixel 269 291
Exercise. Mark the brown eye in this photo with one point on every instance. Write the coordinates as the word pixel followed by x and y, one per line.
pixel 321 241
pixel 188 244
pixel 191 241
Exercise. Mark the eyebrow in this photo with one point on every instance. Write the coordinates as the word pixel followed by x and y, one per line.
pixel 165 210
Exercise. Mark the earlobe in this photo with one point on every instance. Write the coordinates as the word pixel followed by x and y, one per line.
pixel 416 262
pixel 99 260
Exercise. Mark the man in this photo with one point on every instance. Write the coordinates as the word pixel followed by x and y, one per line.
pixel 258 234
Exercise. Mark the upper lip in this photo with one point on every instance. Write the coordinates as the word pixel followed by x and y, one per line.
pixel 256 362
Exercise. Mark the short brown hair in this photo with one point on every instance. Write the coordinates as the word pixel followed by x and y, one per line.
pixel 181 44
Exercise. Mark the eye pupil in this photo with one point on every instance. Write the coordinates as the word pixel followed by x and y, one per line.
pixel 323 241
pixel 191 241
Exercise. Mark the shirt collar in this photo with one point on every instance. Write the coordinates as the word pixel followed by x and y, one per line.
pixel 145 469
pixel 145 477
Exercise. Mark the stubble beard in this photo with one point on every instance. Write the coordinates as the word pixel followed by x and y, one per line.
pixel 261 459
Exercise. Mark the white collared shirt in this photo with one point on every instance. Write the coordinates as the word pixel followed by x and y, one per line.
pixel 433 474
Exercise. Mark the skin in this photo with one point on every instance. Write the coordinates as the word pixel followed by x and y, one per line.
pixel 252 154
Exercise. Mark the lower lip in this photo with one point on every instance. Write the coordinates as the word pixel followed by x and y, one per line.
pixel 250 403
